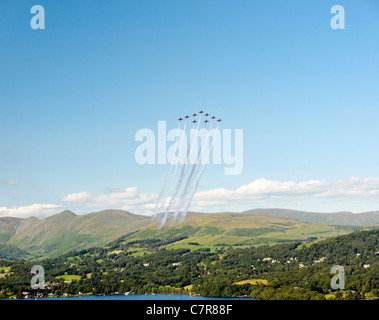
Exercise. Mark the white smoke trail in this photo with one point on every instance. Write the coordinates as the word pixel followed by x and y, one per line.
pixel 184 213
pixel 177 160
pixel 160 196
pixel 182 174
pixel 185 189
pixel 185 198
pixel 189 179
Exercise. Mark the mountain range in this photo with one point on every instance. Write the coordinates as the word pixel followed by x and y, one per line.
pixel 66 231
pixel 340 218
pixel 33 238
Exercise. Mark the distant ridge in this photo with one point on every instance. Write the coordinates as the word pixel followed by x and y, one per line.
pixel 340 218
pixel 66 213
pixel 65 231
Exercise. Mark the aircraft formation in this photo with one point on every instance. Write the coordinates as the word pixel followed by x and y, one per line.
pixel 182 179
pixel 201 112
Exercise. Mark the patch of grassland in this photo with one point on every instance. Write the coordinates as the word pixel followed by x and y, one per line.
pixel 69 277
pixel 252 282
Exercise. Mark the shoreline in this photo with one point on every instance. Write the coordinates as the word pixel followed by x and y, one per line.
pixel 131 296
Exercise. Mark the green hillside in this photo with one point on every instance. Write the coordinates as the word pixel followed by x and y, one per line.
pixel 42 238
pixel 284 271
pixel 9 252
pixel 236 229
pixel 66 231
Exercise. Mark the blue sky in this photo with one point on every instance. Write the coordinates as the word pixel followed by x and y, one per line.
pixel 73 96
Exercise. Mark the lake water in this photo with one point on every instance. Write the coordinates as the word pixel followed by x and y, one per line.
pixel 143 297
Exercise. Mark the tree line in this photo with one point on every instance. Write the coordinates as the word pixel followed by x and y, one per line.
pixel 291 270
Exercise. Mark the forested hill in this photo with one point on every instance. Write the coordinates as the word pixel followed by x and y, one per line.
pixel 299 271
pixel 285 271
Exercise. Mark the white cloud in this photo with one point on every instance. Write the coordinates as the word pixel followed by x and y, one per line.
pixel 289 190
pixel 129 199
pixel 353 187
pixel 37 210
pixel 261 192
pixel 268 193
pixel 9 182
pixel 79 197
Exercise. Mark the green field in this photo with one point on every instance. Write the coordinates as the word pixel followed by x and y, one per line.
pixel 235 230
pixel 69 277
pixel 252 282
pixel 4 271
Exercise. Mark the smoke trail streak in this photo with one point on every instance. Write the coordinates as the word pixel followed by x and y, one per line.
pixel 183 172
pixel 198 164
pixel 160 196
pixel 165 213
pixel 183 214
pixel 189 179
pixel 184 198
pixel 185 190
pixel 177 160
